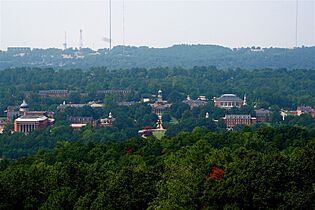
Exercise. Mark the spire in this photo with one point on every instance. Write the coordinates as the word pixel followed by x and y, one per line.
pixel 244 101
pixel 160 93
pixel 110 116
pixel 159 123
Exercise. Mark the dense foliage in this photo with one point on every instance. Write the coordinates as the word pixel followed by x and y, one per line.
pixel 281 87
pixel 267 168
pixel 186 56
pixel 267 88
pixel 198 165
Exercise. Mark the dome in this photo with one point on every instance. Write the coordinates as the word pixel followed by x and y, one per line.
pixel 229 95
pixel 24 105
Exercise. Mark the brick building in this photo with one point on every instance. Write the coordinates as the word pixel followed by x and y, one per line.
pixel 28 121
pixel 107 122
pixel 232 120
pixel 200 101
pixel 160 106
pixel 263 115
pixel 26 124
pixel 53 93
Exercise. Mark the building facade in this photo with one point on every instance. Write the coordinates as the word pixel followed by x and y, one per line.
pixel 107 122
pixel 232 120
pixel 53 93
pixel 298 112
pixel 26 124
pixel 160 106
pixel 263 115
pixel 200 101
pixel 28 121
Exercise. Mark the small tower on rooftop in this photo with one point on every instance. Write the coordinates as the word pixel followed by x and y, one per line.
pixel 159 123
pixel 244 101
pixel 23 108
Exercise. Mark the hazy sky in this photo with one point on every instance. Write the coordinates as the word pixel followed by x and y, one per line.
pixel 41 24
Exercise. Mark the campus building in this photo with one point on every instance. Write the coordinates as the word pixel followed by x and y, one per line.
pixel 28 121
pixel 298 112
pixel 228 101
pixel 53 93
pixel 263 115
pixel 107 122
pixel 160 106
pixel 26 124
pixel 232 120
pixel 200 101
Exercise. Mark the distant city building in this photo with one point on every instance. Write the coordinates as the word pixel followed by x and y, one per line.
pixel 19 50
pixel 109 92
pixel 80 120
pixel 53 93
pixel 107 122
pixel 263 115
pixel 12 113
pixel 77 122
pixel 298 112
pixel 127 103
pixel 232 120
pixel 77 126
pixel 2 125
pixel 64 105
pixel 228 101
pixel 93 104
pixel 160 106
pixel 200 101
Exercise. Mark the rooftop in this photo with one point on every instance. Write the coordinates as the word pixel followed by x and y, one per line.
pixel 24 104
pixel 235 116
pixel 229 97
pixel 32 118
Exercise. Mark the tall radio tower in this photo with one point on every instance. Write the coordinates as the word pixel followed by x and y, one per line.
pixel 110 24
pixel 296 22
pixel 81 40
pixel 65 43
pixel 123 26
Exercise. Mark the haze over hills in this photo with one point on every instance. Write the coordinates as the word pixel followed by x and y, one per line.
pixel 185 56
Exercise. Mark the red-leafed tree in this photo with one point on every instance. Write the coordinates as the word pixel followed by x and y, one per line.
pixel 216 173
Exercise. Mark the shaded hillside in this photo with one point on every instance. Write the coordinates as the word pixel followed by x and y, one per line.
pixel 186 56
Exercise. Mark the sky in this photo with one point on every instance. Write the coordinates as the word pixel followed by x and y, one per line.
pixel 234 23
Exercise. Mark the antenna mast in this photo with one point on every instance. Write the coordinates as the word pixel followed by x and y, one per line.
pixel 81 40
pixel 296 22
pixel 110 24
pixel 65 43
pixel 123 25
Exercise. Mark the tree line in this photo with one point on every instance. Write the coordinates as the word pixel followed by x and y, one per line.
pixel 266 168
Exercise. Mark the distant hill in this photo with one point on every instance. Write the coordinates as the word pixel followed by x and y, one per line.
pixel 185 56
